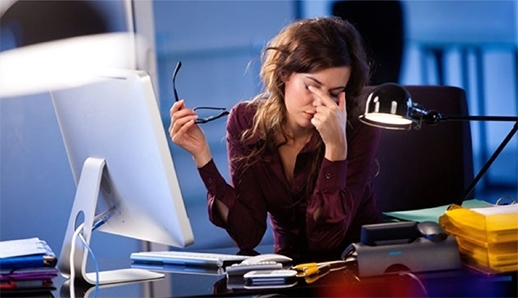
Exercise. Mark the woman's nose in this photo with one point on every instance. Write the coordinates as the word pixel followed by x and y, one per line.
pixel 316 100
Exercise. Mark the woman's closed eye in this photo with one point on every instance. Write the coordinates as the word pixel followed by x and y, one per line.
pixel 332 93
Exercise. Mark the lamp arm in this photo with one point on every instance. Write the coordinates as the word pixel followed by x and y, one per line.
pixel 490 161
pixel 478 118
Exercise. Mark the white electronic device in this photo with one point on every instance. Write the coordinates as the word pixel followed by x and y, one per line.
pixel 121 162
pixel 241 269
pixel 269 257
pixel 267 279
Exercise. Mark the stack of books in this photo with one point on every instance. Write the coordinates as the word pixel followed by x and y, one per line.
pixel 27 266
pixel 487 237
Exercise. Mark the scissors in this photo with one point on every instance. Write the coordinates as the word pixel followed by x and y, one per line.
pixel 313 271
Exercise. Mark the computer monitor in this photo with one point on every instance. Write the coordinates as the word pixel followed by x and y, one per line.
pixel 120 160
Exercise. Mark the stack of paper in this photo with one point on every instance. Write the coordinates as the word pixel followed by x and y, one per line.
pixel 487 237
pixel 26 266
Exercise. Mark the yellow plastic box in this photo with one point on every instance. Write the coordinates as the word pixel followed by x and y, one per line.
pixel 487 237
pixel 496 224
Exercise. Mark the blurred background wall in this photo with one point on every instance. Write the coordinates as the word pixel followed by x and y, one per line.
pixel 471 44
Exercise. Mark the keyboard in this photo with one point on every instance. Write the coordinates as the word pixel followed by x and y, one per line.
pixel 187 258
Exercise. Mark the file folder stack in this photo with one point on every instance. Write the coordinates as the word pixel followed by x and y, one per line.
pixel 487 237
pixel 27 266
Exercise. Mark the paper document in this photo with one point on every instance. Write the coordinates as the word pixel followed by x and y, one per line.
pixel 23 247
pixel 432 214
pixel 501 209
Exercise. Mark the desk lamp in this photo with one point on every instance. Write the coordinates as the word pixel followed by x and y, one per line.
pixel 390 106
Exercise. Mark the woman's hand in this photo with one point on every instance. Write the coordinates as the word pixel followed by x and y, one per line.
pixel 185 133
pixel 330 120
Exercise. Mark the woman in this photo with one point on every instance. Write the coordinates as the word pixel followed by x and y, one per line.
pixel 296 151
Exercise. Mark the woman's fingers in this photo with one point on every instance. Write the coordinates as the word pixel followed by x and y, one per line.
pixel 330 117
pixel 324 98
pixel 185 133
pixel 182 119
pixel 177 106
pixel 341 101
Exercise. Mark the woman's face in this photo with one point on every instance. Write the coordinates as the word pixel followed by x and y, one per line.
pixel 301 103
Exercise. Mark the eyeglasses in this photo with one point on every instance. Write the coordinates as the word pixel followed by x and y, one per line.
pixel 209 118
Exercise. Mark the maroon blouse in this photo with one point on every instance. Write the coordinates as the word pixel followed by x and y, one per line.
pixel 343 192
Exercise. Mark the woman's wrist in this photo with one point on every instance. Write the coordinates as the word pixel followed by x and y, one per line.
pixel 335 153
pixel 203 157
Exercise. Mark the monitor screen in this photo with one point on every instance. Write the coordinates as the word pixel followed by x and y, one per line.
pixel 120 160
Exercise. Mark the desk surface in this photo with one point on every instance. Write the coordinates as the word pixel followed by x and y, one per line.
pixel 187 282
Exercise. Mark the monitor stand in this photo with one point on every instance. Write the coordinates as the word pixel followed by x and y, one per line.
pixel 85 203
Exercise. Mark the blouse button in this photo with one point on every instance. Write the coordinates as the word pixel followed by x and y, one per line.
pixel 328 176
pixel 210 180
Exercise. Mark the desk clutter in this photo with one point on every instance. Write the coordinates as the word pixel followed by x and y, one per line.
pixel 405 258
pixel 487 237
pixel 385 248
pixel 27 267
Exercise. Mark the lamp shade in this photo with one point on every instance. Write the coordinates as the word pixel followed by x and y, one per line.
pixel 388 106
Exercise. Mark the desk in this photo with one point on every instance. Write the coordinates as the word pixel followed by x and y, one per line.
pixel 459 283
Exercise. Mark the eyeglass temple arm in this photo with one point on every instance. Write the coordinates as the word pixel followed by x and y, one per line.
pixel 177 68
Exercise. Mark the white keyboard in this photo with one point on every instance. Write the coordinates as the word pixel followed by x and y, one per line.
pixel 187 258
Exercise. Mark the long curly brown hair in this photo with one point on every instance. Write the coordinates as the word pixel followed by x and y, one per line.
pixel 305 46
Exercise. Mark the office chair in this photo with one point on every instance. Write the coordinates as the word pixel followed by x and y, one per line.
pixel 430 166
